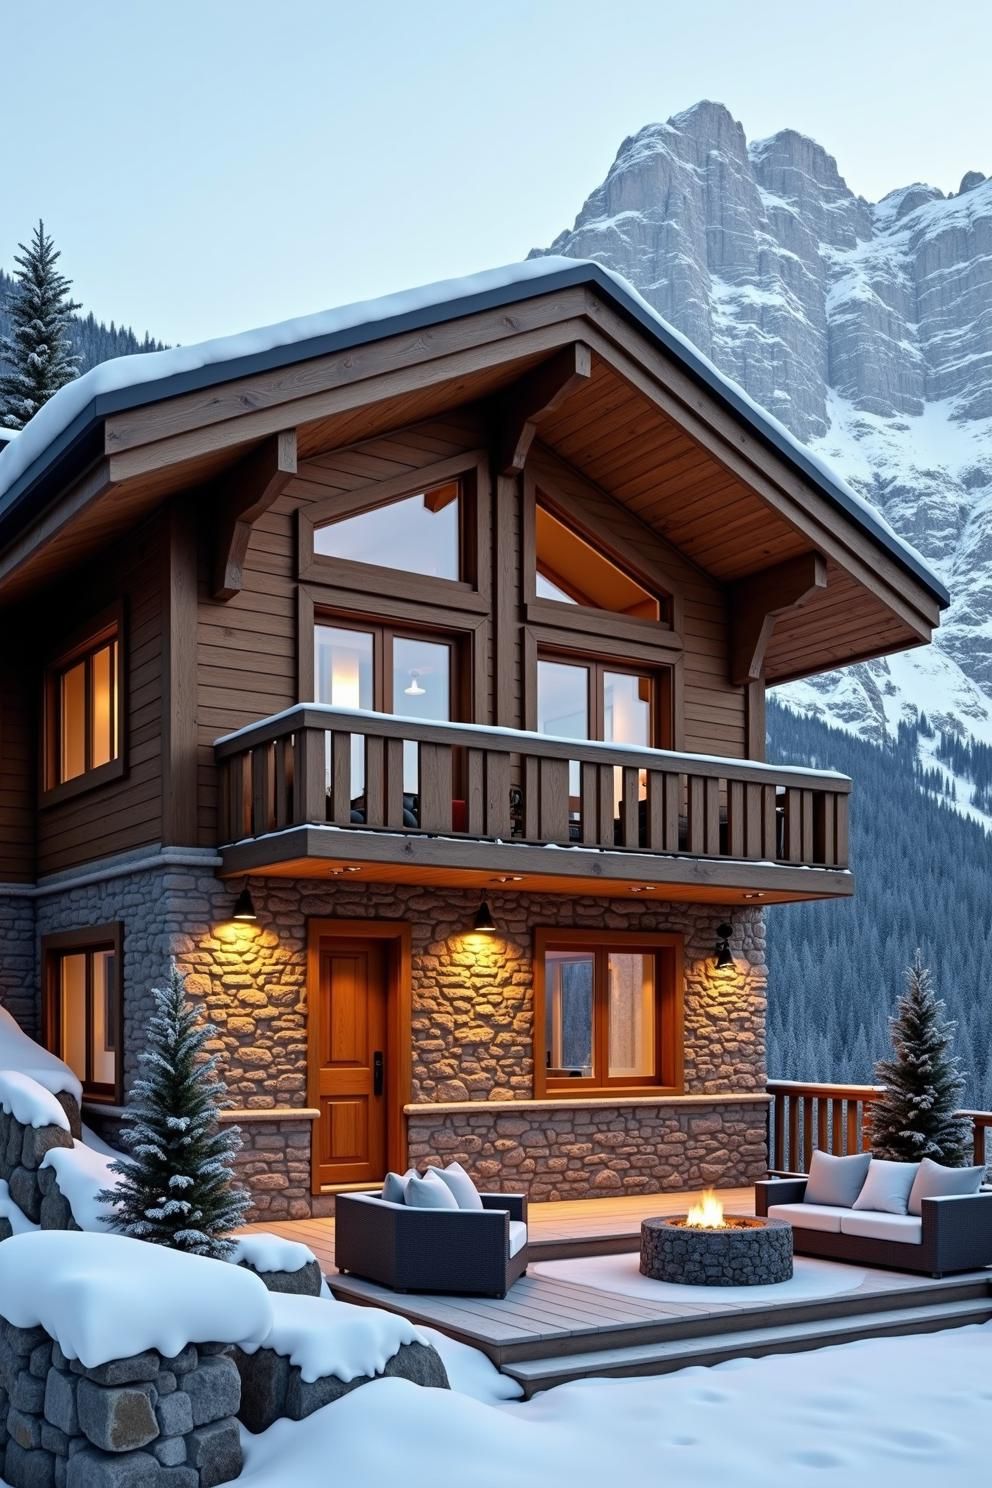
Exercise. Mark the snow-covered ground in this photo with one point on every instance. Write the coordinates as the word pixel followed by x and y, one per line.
pixel 903 1411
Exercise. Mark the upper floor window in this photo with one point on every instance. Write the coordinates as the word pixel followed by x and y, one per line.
pixel 83 712
pixel 420 534
pixel 571 571
pixel 83 1006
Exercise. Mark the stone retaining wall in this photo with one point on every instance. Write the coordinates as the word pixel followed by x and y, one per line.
pixel 574 1152
pixel 148 1420
pixel 32 1187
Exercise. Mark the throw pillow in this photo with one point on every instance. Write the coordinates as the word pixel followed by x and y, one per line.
pixel 394 1186
pixel 455 1177
pixel 934 1181
pixel 836 1180
pixel 886 1189
pixel 429 1193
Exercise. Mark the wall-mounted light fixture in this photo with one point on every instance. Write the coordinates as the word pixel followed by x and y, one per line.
pixel 723 955
pixel 244 907
pixel 484 924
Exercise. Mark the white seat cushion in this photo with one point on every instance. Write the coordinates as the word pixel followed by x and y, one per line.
pixel 810 1216
pixel 901 1227
pixel 518 1236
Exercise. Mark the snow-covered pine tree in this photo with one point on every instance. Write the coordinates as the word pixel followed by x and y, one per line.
pixel 38 352
pixel 915 1118
pixel 175 1186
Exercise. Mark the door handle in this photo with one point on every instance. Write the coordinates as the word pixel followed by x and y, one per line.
pixel 378 1064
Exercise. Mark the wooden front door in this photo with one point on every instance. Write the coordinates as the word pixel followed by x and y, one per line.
pixel 349 1052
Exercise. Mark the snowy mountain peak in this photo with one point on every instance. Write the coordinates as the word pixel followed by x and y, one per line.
pixel 866 328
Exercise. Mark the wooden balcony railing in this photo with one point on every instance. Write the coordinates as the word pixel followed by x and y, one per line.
pixel 833 1118
pixel 304 767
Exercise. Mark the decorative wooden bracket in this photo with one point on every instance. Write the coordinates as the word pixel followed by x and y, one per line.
pixel 756 603
pixel 242 495
pixel 539 391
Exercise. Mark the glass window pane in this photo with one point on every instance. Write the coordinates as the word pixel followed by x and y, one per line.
pixel 344 678
pixel 626 720
pixel 103 720
pixel 421 689
pixel 570 1030
pixel 72 711
pixel 420 534
pixel 563 707
pixel 103 1029
pixel 579 573
pixel 72 1011
pixel 631 991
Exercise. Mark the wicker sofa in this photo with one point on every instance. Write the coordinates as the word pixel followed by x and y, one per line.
pixel 470 1252
pixel 953 1233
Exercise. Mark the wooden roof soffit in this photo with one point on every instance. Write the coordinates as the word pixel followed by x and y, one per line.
pixel 538 392
pixel 756 603
pixel 242 495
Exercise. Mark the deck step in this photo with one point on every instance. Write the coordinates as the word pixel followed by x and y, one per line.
pixel 663 1358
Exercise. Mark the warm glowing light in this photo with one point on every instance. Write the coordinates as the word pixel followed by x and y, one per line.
pixel 707 1214
pixel 345 680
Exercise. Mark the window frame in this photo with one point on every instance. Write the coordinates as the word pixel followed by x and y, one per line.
pixel 85 941
pixel 84 643
pixel 470 592
pixel 658 675
pixel 667 949
pixel 384 631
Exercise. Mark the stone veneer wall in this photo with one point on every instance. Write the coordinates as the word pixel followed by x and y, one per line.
pixel 472 1018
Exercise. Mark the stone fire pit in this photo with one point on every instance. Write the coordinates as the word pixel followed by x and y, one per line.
pixel 741 1252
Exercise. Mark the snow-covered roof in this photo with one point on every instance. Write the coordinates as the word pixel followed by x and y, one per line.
pixel 64 422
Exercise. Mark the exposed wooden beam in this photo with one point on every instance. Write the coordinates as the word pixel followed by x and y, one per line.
pixel 242 495
pixel 756 603
pixel 538 392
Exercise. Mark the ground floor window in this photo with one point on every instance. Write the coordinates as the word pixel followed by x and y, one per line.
pixel 608 1011
pixel 83 1006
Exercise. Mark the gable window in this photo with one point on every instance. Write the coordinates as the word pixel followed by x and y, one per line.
pixel 610 1011
pixel 420 534
pixel 83 1007
pixel 571 571
pixel 83 722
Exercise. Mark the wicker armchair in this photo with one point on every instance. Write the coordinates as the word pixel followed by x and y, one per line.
pixel 465 1251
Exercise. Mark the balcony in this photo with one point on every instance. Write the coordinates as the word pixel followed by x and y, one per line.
pixel 319 790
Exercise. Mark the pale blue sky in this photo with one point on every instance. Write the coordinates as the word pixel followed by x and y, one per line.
pixel 210 165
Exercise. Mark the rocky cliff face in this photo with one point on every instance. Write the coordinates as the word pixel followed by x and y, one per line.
pixel 865 327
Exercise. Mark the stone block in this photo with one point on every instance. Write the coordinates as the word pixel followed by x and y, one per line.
pixel 55 1212
pixel 214 1390
pixel 60 1402
pixel 174 1413
pixel 25 1193
pixel 24 1429
pixel 92 1469
pixel 40 1360
pixel 183 1362
pixel 166 1382
pixel 302 1283
pixel 54 1440
pixel 117 1418
pixel 170 1451
pixel 215 1451
pixel 26 1468
pixel 417 1362
pixel 37 1141
pixel 28 1393
pixel 264 1380
pixel 135 1369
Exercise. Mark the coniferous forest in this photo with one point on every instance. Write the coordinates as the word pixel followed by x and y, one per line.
pixel 924 878
pixel 92 340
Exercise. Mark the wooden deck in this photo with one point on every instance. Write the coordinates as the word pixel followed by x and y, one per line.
pixel 549 1330
pixel 578 1227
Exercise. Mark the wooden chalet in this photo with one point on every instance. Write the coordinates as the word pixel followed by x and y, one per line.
pixel 402 671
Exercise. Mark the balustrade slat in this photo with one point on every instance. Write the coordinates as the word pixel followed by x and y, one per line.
pixel 630 807
pixel 842 852
pixel 793 1133
pixel 341 779
pixel 375 781
pixel 822 1137
pixel 696 815
pixel 654 812
pixel 793 825
pixel 435 787
pixel 310 777
pixel 475 792
pixel 261 789
pixel 769 811
pixel 753 822
pixel 825 834
pixel 853 1143
pixel 532 803
pixel 735 818
pixel 673 810
pixel 779 1124
pixel 283 783
pixel 806 848
pixel 711 795
pixel 589 803
pixel 394 783
pixel 807 1131
pixel 497 788
pixel 604 776
pixel 837 1125
pixel 553 819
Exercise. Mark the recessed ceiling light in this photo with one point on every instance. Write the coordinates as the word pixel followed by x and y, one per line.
pixel 641 888
pixel 348 868
pixel 509 878
pixel 755 894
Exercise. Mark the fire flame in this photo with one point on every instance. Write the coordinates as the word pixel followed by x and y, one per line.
pixel 707 1214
